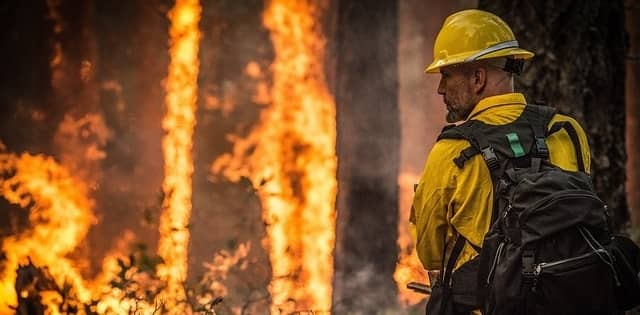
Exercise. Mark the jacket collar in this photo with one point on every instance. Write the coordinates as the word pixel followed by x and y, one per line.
pixel 497 100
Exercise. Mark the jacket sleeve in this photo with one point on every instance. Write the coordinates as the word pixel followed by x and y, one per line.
pixel 429 210
pixel 561 149
pixel 450 200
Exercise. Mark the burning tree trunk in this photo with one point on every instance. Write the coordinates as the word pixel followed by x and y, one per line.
pixel 289 156
pixel 368 154
pixel 178 123
pixel 579 69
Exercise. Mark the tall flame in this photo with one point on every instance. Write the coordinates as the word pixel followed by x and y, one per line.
pixel 60 217
pixel 302 214
pixel 291 155
pixel 179 123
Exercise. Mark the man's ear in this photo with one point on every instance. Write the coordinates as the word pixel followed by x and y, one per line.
pixel 479 80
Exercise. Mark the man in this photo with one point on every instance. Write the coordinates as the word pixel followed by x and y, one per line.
pixel 476 55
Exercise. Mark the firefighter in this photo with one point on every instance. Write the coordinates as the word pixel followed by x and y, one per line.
pixel 477 56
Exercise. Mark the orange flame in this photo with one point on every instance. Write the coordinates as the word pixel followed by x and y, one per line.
pixel 179 122
pixel 60 218
pixel 113 300
pixel 302 215
pixel 408 268
pixel 60 211
pixel 291 156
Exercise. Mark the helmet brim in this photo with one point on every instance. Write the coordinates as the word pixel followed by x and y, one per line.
pixel 517 53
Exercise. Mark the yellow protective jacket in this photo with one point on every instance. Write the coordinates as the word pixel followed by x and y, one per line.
pixel 450 200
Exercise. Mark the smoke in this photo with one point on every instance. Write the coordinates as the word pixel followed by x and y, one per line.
pixel 81 143
pixel 368 277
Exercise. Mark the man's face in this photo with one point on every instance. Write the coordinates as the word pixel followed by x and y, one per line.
pixel 457 92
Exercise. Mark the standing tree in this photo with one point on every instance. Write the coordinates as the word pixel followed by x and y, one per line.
pixel 579 69
pixel 632 8
pixel 368 156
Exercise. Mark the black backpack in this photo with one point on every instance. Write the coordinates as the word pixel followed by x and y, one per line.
pixel 549 249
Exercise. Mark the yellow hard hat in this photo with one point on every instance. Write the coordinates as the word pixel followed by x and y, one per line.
pixel 473 35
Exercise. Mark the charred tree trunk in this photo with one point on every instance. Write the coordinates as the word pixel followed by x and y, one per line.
pixel 579 69
pixel 368 156
pixel 25 31
pixel 632 8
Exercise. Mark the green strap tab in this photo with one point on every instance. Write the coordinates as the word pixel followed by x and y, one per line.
pixel 514 142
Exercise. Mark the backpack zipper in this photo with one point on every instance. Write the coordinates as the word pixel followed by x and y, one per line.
pixel 495 261
pixel 538 268
pixel 561 195
pixel 506 212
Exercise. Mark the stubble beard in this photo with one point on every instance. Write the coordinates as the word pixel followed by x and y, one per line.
pixel 452 117
pixel 461 109
pixel 456 114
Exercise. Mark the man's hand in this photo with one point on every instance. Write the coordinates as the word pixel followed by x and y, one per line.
pixel 419 287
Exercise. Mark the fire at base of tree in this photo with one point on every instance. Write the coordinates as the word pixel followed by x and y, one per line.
pixel 39 294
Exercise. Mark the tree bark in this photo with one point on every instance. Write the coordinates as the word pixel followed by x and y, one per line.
pixel 632 8
pixel 579 69
pixel 368 156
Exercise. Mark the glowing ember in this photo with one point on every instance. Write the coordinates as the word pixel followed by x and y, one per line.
pixel 178 123
pixel 409 267
pixel 60 216
pixel 291 156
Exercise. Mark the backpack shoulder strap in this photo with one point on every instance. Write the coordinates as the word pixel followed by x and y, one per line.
pixel 539 118
pixel 479 144
pixel 444 278
pixel 451 262
pixel 573 135
pixel 463 132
